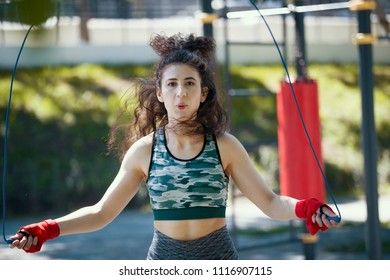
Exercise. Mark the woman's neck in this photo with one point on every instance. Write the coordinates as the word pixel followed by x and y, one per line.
pixel 185 129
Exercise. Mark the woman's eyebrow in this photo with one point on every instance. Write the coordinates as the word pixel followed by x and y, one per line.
pixel 187 78
pixel 190 78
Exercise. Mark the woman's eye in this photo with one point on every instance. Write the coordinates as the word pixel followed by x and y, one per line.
pixel 171 84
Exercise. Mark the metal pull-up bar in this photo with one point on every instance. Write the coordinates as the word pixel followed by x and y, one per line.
pixel 290 9
pixel 364 40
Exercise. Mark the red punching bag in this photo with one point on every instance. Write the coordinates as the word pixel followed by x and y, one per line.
pixel 300 176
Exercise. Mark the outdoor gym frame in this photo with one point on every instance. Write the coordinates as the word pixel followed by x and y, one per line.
pixel 364 40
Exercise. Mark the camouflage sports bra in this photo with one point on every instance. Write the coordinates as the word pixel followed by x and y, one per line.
pixel 187 189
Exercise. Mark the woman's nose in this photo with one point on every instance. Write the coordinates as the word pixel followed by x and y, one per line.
pixel 181 91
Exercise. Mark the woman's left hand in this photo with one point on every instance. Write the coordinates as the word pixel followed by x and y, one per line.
pixel 320 217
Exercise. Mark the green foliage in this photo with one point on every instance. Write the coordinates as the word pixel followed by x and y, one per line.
pixel 58 128
pixel 31 12
pixel 60 120
pixel 255 124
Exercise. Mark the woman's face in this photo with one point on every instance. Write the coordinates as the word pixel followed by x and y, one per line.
pixel 181 92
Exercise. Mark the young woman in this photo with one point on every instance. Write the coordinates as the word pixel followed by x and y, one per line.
pixel 178 144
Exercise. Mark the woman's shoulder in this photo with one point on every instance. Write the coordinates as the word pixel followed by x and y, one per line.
pixel 138 155
pixel 144 142
pixel 141 147
pixel 226 138
pixel 229 144
pixel 231 150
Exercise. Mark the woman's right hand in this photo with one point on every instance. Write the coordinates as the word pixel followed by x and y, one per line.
pixel 31 238
pixel 23 240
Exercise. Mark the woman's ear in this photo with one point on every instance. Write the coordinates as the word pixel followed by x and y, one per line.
pixel 205 92
pixel 159 95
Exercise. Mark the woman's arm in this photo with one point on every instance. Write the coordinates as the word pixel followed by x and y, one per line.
pixel 115 199
pixel 239 166
pixel 132 172
pixel 118 195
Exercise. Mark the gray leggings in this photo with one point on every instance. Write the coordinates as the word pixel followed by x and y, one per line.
pixel 215 246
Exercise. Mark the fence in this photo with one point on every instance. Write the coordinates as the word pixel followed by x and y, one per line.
pixel 115 40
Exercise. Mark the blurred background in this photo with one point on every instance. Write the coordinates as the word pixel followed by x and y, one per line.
pixel 81 56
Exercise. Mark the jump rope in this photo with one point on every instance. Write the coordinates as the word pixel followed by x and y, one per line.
pixel 10 240
pixel 337 219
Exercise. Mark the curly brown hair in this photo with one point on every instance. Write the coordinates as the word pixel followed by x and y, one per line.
pixel 149 114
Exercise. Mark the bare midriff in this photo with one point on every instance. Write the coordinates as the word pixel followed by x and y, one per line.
pixel 189 229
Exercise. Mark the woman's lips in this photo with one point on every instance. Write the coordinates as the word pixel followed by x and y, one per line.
pixel 181 106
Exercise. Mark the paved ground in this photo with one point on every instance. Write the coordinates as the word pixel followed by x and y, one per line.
pixel 129 236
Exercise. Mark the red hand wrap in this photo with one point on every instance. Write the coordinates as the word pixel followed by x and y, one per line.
pixel 305 209
pixel 45 230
